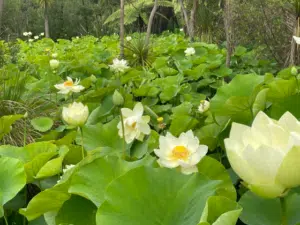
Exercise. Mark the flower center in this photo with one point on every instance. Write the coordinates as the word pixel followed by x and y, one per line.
pixel 133 125
pixel 180 152
pixel 68 83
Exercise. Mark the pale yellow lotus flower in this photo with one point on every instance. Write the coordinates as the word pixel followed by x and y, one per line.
pixel 189 52
pixel 68 167
pixel 69 86
pixel 75 114
pixel 204 106
pixel 184 152
pixel 267 154
pixel 119 66
pixel 135 124
pixel 54 64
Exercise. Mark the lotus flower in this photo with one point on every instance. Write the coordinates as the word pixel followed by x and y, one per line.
pixel 69 86
pixel 267 154
pixel 135 124
pixel 184 152
pixel 204 106
pixel 75 114
pixel 189 52
pixel 119 65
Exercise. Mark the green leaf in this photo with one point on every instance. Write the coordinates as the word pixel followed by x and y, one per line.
pixel 91 180
pixel 42 124
pixel 236 98
pixel 50 200
pixel 214 170
pixel 34 156
pixel 13 179
pixel 260 102
pixel 240 50
pixel 6 122
pixel 286 104
pixel 101 135
pixel 258 210
pixel 54 166
pixel 77 211
pixel 158 196
pixel 221 211
pixel 182 123
pixel 102 111
pixel 280 89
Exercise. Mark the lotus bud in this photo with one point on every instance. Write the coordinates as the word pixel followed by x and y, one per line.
pixel 118 99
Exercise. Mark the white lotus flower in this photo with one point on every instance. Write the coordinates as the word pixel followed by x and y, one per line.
pixel 119 65
pixel 128 38
pixel 135 124
pixel 29 33
pixel 25 34
pixel 30 40
pixel 69 86
pixel 189 52
pixel 267 154
pixel 68 167
pixel 54 55
pixel 297 40
pixel 42 34
pixel 75 114
pixel 204 106
pixel 36 37
pixel 184 151
pixel 54 64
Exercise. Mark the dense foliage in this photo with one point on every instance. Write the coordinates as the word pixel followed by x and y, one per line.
pixel 67 163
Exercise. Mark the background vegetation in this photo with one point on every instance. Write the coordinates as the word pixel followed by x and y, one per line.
pixel 268 24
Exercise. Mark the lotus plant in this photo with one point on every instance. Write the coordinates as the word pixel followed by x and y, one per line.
pixel 75 114
pixel 189 52
pixel 267 154
pixel 69 86
pixel 184 152
pixel 119 66
pixel 135 125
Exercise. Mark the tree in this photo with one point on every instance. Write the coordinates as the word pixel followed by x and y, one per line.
pixel 1 12
pixel 122 27
pixel 150 22
pixel 190 22
pixel 228 30
pixel 45 4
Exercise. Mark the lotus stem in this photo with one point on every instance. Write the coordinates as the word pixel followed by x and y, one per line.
pixel 283 211
pixel 123 133
pixel 82 148
pixel 5 219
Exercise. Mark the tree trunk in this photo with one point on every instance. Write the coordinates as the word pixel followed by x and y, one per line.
pixel 1 13
pixel 293 60
pixel 185 16
pixel 150 22
pixel 47 32
pixel 193 19
pixel 228 31
pixel 122 28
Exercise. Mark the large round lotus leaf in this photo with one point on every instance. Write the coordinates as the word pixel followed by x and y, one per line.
pixel 12 180
pixel 42 124
pixel 77 211
pixel 155 196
